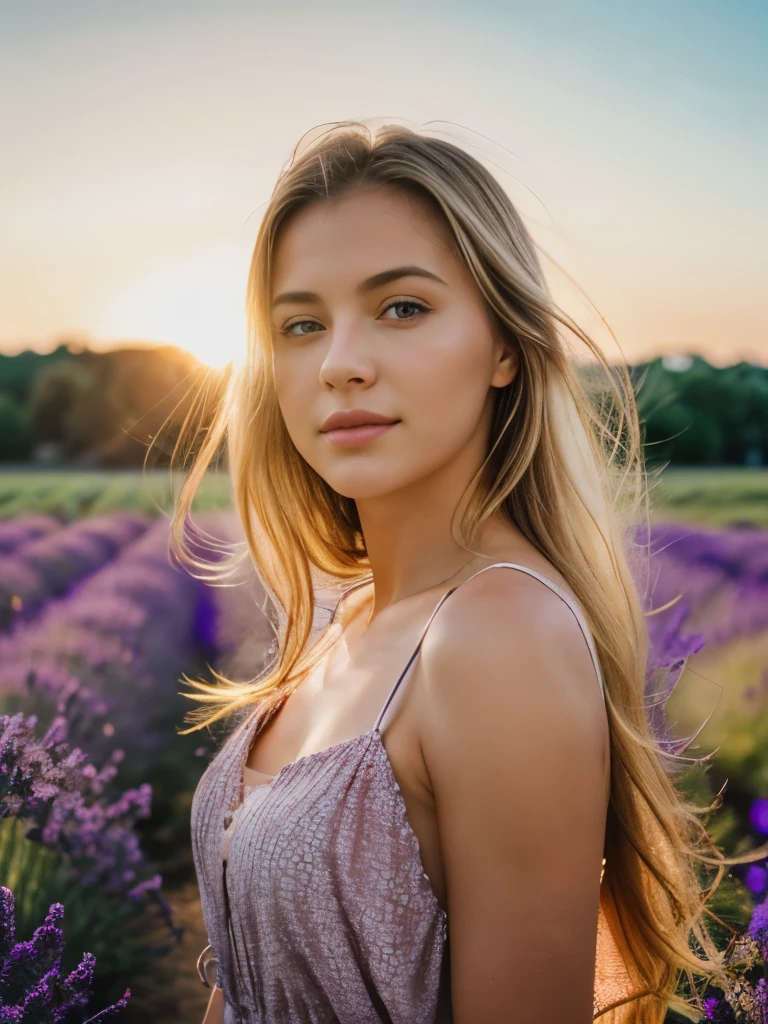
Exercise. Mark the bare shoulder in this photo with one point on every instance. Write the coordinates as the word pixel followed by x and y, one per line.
pixel 514 737
pixel 505 637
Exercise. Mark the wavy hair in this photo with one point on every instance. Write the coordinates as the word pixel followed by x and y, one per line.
pixel 564 464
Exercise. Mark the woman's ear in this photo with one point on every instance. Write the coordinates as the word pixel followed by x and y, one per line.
pixel 507 363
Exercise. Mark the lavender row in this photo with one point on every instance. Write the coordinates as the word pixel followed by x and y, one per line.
pixel 719 576
pixel 102 667
pixel 22 529
pixel 40 567
pixel 110 653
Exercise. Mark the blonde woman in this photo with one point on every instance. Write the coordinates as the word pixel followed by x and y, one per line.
pixel 410 821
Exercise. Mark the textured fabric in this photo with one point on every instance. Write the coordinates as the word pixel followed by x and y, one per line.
pixel 313 892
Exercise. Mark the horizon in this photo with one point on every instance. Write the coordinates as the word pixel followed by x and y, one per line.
pixel 677 361
pixel 144 150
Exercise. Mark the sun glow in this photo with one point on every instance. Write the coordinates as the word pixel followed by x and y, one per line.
pixel 197 303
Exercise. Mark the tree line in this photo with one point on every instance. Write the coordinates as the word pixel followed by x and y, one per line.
pixel 83 408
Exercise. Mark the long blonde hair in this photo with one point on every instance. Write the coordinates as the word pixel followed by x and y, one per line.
pixel 564 464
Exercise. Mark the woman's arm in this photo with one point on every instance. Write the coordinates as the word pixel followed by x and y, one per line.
pixel 214 1014
pixel 514 739
pixel 208 968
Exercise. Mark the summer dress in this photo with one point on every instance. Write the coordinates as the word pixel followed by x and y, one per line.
pixel 313 893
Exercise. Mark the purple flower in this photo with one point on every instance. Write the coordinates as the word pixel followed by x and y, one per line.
pixel 7 920
pixel 719 1011
pixel 15 533
pixel 31 988
pixel 756 878
pixel 61 791
pixel 722 575
pixel 758 927
pixel 758 815
pixel 36 566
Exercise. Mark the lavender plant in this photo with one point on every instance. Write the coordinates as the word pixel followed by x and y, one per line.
pixel 722 573
pixel 35 567
pixel 19 531
pixel 707 574
pixel 60 835
pixel 33 989
pixel 742 998
pixel 109 654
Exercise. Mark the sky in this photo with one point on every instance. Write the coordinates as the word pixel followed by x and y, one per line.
pixel 142 140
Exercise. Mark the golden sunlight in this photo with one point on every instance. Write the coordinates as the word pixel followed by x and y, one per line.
pixel 197 303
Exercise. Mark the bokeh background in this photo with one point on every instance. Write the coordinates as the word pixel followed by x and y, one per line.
pixel 141 143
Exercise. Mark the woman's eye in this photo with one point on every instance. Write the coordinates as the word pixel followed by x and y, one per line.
pixel 299 323
pixel 408 303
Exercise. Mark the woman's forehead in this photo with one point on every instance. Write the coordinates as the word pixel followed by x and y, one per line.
pixel 357 236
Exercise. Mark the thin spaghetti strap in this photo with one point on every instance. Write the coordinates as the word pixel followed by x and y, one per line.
pixel 566 597
pixel 412 658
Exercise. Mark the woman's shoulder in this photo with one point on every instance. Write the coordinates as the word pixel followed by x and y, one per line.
pixel 508 666
pixel 507 594
pixel 501 627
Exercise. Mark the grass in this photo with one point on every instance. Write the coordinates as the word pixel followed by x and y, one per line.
pixel 711 497
pixel 70 494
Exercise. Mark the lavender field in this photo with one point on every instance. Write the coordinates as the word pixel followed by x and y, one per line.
pixel 97 626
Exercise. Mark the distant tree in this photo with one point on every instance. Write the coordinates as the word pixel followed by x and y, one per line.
pixel 104 408
pixel 15 433
pixel 683 436
pixel 19 372
pixel 56 393
pixel 703 415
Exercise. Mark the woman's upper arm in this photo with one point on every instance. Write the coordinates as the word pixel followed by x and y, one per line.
pixel 514 741
pixel 214 1013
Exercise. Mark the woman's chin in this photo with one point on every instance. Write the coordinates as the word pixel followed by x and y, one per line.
pixel 361 485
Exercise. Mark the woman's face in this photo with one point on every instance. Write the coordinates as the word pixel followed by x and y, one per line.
pixel 417 347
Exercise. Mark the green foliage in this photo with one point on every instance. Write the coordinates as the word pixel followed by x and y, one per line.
pixel 125 938
pixel 19 372
pixel 742 755
pixel 69 494
pixel 15 433
pixel 712 496
pixel 104 408
pixel 101 409
pixel 703 415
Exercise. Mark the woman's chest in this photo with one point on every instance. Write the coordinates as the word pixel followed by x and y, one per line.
pixel 337 705
pixel 335 827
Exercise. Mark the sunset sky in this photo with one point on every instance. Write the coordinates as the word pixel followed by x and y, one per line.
pixel 141 141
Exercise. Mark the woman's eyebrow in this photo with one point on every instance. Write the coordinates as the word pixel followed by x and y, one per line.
pixel 375 281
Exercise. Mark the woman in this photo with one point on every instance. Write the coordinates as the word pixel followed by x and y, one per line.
pixel 407 421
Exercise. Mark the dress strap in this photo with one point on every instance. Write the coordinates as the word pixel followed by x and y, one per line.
pixel 564 595
pixel 411 660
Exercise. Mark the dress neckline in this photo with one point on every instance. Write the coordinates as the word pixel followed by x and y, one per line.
pixel 251 723
pixel 248 726
pixel 370 741
pixel 251 773
pixel 313 756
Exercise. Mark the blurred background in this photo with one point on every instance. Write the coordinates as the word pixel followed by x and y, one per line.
pixel 142 141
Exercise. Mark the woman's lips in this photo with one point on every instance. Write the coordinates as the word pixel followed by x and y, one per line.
pixel 349 437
